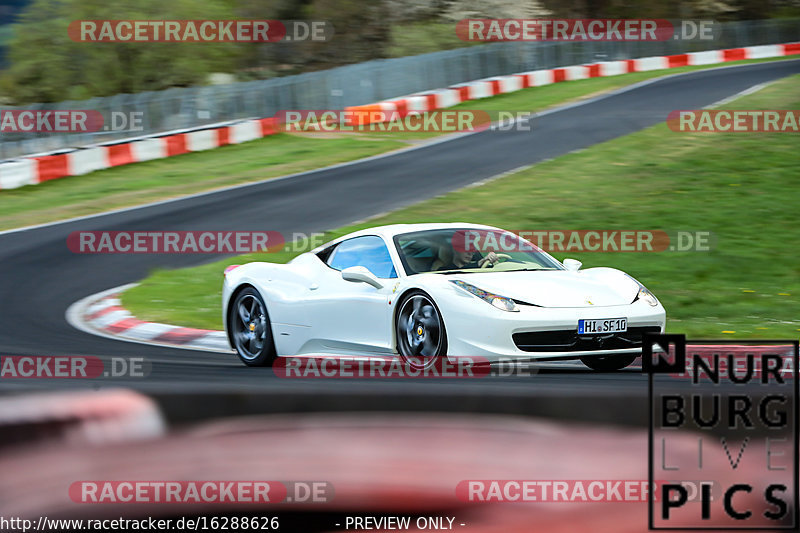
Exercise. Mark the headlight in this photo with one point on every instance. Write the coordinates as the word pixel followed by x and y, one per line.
pixel 643 293
pixel 647 296
pixel 500 302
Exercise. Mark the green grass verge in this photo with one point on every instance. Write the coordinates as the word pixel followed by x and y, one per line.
pixel 178 176
pixel 741 187
pixel 254 161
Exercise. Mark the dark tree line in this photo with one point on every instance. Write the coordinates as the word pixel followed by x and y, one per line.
pixel 42 64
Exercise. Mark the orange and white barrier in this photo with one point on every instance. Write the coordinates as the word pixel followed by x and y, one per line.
pixel 33 170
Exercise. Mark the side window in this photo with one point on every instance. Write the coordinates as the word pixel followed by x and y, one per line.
pixel 369 251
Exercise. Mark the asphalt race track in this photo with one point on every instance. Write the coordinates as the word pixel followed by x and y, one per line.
pixel 41 277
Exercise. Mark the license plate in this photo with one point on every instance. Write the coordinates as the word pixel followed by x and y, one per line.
pixel 602 325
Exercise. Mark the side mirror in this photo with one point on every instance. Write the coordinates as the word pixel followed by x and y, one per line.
pixel 361 274
pixel 572 264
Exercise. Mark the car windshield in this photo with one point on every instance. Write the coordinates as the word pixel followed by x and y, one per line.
pixel 457 250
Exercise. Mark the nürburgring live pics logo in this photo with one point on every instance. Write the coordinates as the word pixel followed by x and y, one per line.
pixel 739 406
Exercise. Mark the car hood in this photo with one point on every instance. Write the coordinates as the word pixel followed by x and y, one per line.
pixel 559 288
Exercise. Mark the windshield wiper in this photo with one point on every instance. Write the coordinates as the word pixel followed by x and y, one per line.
pixel 448 272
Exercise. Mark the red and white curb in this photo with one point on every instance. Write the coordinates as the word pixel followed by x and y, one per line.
pixel 38 168
pixel 35 169
pixel 102 314
pixel 485 88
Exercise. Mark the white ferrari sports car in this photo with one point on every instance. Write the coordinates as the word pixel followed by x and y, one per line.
pixel 423 292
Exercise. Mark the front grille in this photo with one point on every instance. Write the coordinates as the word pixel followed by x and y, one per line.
pixel 568 340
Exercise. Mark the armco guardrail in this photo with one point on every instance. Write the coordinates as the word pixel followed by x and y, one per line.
pixel 504 84
pixel 351 85
pixel 37 169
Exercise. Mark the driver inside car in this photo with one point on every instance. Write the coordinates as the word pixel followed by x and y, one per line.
pixel 451 258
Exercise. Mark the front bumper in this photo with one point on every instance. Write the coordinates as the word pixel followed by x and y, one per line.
pixel 492 335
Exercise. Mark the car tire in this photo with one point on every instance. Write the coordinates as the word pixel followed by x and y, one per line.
pixel 250 328
pixel 608 363
pixel 419 331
